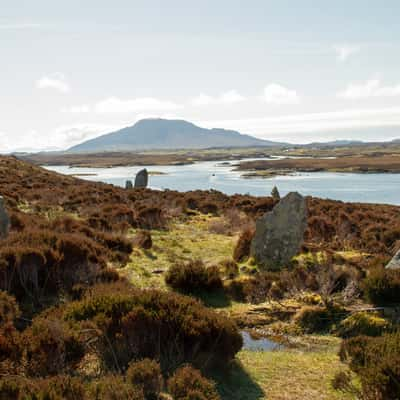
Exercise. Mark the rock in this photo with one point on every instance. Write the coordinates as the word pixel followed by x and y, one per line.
pixel 4 219
pixel 141 179
pixel 128 185
pixel 279 233
pixel 275 193
pixel 394 263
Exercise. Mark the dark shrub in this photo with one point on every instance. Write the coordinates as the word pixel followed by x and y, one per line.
pixel 146 374
pixel 151 218
pixel 193 276
pixel 377 362
pixel 143 240
pixel 172 328
pixel 187 383
pixel 242 248
pixel 52 347
pixel 382 286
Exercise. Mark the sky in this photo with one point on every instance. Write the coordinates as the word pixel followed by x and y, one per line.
pixel 297 71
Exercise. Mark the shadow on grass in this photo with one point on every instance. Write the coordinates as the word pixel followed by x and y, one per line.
pixel 214 299
pixel 236 384
pixel 150 255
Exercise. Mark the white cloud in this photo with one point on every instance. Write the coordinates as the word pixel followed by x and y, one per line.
pixel 230 97
pixel 288 127
pixel 371 88
pixel 84 108
pixel 19 26
pixel 117 105
pixel 54 81
pixel 345 51
pixel 278 94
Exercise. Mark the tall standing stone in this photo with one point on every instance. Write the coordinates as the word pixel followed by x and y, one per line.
pixel 141 179
pixel 394 263
pixel 275 193
pixel 279 233
pixel 4 219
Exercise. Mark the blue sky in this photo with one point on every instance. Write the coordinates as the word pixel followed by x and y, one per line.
pixel 297 71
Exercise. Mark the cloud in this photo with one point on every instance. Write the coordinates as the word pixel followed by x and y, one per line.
pixel 117 105
pixel 19 26
pixel 278 94
pixel 230 97
pixel 84 108
pixel 295 127
pixel 54 81
pixel 371 88
pixel 345 51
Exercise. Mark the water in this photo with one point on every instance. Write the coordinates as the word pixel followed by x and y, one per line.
pixel 367 188
pixel 259 344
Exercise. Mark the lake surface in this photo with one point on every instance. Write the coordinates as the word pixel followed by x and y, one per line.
pixel 259 344
pixel 367 188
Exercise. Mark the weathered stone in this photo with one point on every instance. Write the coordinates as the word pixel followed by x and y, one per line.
pixel 275 193
pixel 4 219
pixel 279 233
pixel 394 263
pixel 128 185
pixel 141 179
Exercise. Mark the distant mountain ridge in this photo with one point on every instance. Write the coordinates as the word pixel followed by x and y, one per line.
pixel 153 134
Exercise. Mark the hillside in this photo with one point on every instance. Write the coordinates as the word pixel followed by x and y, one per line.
pixel 86 292
pixel 148 134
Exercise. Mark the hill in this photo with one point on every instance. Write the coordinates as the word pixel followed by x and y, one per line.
pixel 149 134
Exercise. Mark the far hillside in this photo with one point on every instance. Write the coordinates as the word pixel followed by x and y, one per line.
pixel 150 134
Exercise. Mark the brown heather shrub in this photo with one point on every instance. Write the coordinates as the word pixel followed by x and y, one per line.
pixel 52 347
pixel 9 309
pixel 318 319
pixel 193 276
pixel 172 328
pixel 242 248
pixel 377 363
pixel 146 375
pixel 143 240
pixel 230 268
pixel 114 387
pixel 382 286
pixel 188 383
pixel 55 388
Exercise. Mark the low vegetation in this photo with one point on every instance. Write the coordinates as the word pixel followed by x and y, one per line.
pixel 108 293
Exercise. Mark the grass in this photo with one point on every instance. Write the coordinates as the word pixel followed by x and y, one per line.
pixel 284 375
pixel 182 241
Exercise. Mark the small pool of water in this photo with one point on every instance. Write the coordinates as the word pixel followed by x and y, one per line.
pixel 259 344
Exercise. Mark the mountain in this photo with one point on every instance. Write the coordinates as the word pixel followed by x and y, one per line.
pixel 149 134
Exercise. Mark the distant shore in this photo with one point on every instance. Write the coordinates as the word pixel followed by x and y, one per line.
pixel 288 166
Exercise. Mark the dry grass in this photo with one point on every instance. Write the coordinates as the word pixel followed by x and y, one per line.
pixel 285 375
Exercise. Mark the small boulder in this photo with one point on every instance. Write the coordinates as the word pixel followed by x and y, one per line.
pixel 394 263
pixel 142 178
pixel 279 233
pixel 4 219
pixel 128 185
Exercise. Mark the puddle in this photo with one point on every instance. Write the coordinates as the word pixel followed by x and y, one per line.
pixel 259 343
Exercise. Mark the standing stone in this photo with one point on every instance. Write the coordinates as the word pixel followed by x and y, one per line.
pixel 128 185
pixel 141 179
pixel 394 263
pixel 275 193
pixel 279 233
pixel 4 219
